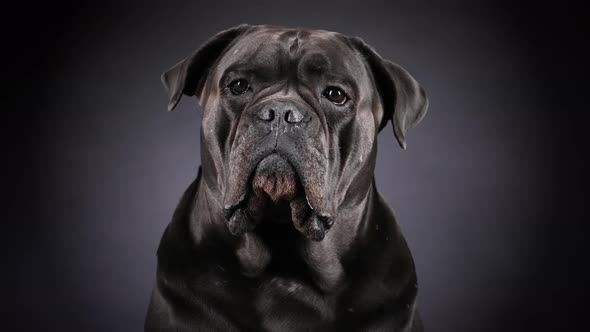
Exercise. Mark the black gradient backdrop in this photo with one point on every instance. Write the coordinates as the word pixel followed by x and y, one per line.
pixel 488 193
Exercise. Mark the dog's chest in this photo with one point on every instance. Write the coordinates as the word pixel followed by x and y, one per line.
pixel 282 303
pixel 284 292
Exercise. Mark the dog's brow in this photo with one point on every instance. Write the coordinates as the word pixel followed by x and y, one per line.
pixel 315 62
pixel 261 71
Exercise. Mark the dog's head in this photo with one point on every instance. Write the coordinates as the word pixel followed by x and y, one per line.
pixel 290 119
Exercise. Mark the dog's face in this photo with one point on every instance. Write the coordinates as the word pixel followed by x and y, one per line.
pixel 290 119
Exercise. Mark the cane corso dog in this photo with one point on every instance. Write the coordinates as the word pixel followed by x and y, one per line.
pixel 283 229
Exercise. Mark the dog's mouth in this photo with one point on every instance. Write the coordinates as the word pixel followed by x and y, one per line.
pixel 276 194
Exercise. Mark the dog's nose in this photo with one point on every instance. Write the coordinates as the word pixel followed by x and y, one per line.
pixel 266 114
pixel 287 110
pixel 293 116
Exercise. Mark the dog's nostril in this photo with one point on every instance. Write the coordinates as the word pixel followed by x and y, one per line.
pixel 293 116
pixel 266 115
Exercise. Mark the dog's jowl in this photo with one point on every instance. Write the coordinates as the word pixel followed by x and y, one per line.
pixel 283 229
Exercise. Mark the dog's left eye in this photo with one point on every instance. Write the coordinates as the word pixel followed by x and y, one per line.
pixel 238 87
pixel 335 95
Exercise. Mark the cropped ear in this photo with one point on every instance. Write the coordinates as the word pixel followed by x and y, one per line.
pixel 189 75
pixel 404 101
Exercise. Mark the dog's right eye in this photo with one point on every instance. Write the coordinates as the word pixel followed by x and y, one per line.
pixel 238 87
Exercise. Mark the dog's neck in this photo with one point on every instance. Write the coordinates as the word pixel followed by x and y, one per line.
pixel 278 246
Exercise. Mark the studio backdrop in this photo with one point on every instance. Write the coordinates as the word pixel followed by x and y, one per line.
pixel 485 194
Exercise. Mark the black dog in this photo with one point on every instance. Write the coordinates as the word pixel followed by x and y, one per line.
pixel 283 229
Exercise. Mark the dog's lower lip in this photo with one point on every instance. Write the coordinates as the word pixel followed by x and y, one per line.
pixel 325 218
pixel 229 209
pixel 318 220
pixel 323 215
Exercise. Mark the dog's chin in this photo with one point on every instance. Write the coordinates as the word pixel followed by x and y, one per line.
pixel 274 185
pixel 276 195
pixel 276 180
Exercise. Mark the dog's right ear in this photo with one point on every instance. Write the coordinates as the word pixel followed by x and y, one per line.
pixel 189 75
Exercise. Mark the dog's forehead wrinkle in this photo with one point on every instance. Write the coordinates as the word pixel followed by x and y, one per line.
pixel 276 52
pixel 294 45
pixel 264 66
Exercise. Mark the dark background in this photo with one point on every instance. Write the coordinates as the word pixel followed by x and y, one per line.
pixel 489 193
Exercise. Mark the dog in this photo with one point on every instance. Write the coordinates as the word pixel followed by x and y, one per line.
pixel 283 228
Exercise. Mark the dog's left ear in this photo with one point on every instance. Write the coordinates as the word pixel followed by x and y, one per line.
pixel 403 99
pixel 189 75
